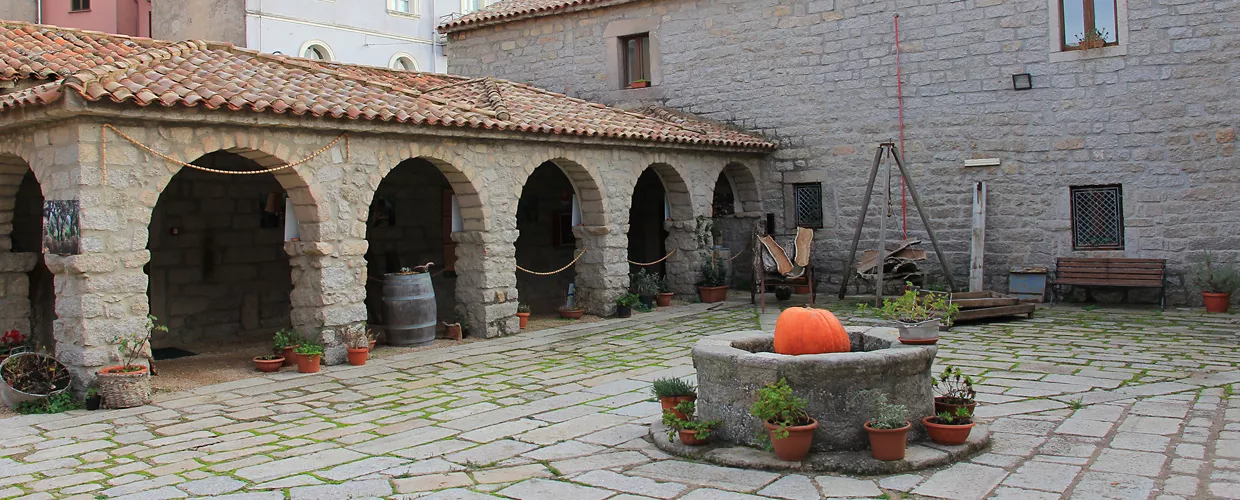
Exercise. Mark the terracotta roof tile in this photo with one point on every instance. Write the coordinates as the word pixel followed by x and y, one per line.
pixel 47 52
pixel 220 76
pixel 511 10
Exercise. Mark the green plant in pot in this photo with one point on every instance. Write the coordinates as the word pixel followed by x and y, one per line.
pixel 672 391
pixel 1093 38
pixel 309 354
pixel 646 285
pixel 955 390
pixel 32 377
pixel 789 429
pixel 523 314
pixel 283 343
pixel 129 384
pixel 1216 281
pixel 713 285
pixel 625 304
pixel 888 426
pixel 664 298
pixel 917 314
pixel 683 421
pixel 949 428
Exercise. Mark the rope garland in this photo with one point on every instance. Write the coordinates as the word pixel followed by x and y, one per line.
pixel 103 137
pixel 643 264
pixel 734 257
pixel 557 271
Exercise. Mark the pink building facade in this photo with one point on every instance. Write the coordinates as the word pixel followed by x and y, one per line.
pixel 124 17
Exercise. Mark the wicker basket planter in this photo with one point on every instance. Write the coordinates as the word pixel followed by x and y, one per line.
pixel 124 389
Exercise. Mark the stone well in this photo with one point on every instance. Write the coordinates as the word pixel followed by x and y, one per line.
pixel 732 367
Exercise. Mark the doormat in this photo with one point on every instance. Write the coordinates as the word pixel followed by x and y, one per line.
pixel 170 353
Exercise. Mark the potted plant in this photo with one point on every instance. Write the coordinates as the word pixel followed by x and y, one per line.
pixel 955 390
pixel 285 340
pixel 31 376
pixel 888 426
pixel 683 421
pixel 639 84
pixel 268 363
pixel 358 346
pixel 523 314
pixel 646 286
pixel 664 298
pixel 625 304
pixel 713 287
pixel 789 430
pixel 672 391
pixel 918 314
pixel 129 384
pixel 309 353
pixel 372 339
pixel 454 326
pixel 571 312
pixel 11 342
pixel 93 398
pixel 1217 282
pixel 949 429
pixel 1093 38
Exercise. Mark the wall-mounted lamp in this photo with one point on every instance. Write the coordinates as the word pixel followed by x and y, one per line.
pixel 1022 81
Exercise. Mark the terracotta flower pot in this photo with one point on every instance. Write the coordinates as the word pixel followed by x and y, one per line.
pixel 269 365
pixel 795 447
pixel 941 406
pixel 290 357
pixel 947 435
pixel 357 356
pixel 712 294
pixel 571 313
pixel 801 289
pixel 664 299
pixel 1216 302
pixel 670 402
pixel 308 364
pixel 524 318
pixel 371 347
pixel 690 438
pixel 888 444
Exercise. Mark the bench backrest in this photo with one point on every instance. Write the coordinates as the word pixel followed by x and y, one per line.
pixel 1118 272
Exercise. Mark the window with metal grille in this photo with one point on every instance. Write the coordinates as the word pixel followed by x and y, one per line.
pixel 808 199
pixel 1097 217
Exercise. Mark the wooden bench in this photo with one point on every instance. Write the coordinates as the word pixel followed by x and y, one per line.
pixel 1119 273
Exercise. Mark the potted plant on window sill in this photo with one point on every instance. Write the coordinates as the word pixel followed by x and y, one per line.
pixel 917 314
pixel 789 430
pixel 1217 283
pixel 523 314
pixel 1093 38
pixel 955 391
pixel 309 353
pixel 888 427
pixel 683 421
pixel 949 429
pixel 625 304
pixel 672 391
pixel 639 84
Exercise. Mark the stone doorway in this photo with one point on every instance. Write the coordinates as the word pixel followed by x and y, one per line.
pixel 546 240
pixel 647 235
pixel 27 296
pixel 219 273
pixel 409 224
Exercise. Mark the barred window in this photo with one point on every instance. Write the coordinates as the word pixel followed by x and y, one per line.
pixel 1097 217
pixel 808 199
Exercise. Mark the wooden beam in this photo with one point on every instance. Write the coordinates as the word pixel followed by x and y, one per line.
pixel 977 255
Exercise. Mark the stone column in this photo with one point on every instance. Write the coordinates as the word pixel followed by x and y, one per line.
pixel 329 292
pixel 15 307
pixel 486 283
pixel 603 272
pixel 683 267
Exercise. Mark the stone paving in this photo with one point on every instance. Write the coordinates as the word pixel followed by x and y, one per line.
pixel 1083 404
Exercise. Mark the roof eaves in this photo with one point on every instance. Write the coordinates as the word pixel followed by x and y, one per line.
pixel 494 14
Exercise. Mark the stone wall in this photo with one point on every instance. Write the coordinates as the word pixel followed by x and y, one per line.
pixel 1156 114
pixel 19 10
pixel 219 20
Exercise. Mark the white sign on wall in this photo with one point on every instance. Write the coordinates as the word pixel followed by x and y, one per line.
pixel 292 230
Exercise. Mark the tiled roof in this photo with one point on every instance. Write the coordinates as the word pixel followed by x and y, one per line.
pixel 46 52
pixel 221 76
pixel 511 10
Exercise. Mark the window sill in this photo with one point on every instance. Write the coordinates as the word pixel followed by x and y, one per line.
pixel 1081 55
pixel 398 13
pixel 79 11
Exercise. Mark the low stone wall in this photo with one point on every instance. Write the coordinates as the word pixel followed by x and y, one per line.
pixel 733 366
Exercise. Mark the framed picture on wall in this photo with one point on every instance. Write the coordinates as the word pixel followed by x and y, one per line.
pixel 61 227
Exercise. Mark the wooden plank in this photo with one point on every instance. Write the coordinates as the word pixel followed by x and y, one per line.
pixel 978 249
pixel 1151 267
pixel 1107 275
pixel 981 294
pixel 1121 283
pixel 1121 265
pixel 1116 260
pixel 985 302
pixel 992 312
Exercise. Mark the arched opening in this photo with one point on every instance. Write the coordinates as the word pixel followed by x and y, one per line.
pixel 28 300
pixel 219 276
pixel 411 223
pixel 735 210
pixel 724 201
pixel 545 238
pixel 647 236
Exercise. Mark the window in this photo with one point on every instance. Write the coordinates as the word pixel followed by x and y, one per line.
pixel 315 49
pixel 403 6
pixel 404 63
pixel 1087 24
pixel 808 199
pixel 635 60
pixel 1097 217
pixel 79 5
pixel 468 6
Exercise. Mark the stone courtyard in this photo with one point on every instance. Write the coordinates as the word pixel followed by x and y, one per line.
pixel 1106 403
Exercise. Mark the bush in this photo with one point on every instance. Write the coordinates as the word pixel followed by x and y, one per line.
pixel 55 403
pixel 669 387
pixel 778 406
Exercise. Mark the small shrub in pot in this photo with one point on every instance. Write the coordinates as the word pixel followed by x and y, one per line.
pixel 683 421
pixel 672 391
pixel 888 426
pixel 1217 283
pixel 949 429
pixel 917 314
pixel 789 429
pixel 955 390
pixel 32 376
pixel 625 304
pixel 129 384
pixel 309 354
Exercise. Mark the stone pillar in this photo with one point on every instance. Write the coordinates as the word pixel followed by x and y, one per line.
pixel 683 267
pixel 329 292
pixel 486 283
pixel 15 307
pixel 603 272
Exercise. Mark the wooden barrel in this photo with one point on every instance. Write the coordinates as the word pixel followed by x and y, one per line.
pixel 409 309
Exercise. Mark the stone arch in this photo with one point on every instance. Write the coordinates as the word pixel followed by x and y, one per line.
pixel 652 233
pixel 744 185
pixel 677 191
pixel 27 300
pixel 590 195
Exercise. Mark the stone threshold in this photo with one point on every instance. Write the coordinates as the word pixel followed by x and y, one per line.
pixel 921 455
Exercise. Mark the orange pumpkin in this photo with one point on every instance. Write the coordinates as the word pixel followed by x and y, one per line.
pixel 803 330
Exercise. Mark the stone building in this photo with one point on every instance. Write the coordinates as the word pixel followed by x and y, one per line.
pixel 1127 149
pixel 231 193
